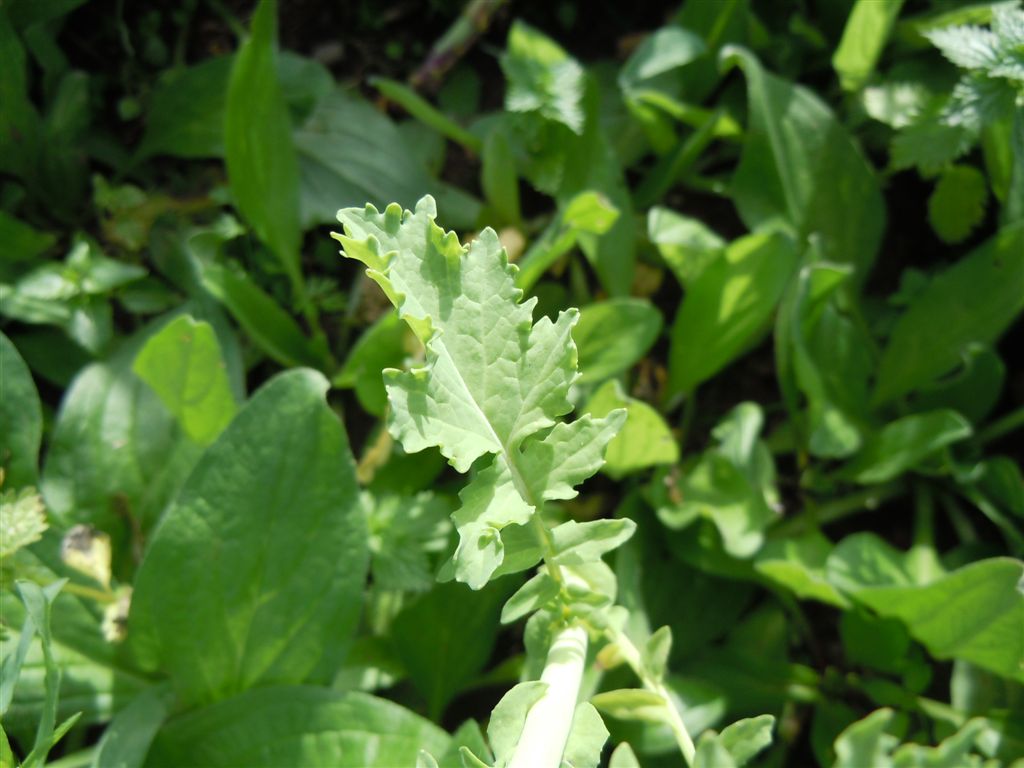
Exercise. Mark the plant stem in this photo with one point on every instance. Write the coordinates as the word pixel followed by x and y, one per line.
pixel 460 37
pixel 833 511
pixel 549 721
pixel 632 656
pixel 91 593
pixel 1012 421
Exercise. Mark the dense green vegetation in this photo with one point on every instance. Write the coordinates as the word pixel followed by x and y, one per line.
pixel 665 408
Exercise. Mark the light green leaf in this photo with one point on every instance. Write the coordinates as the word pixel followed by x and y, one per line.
pixel 711 753
pixel 794 151
pixel 21 419
pixel 975 300
pixel 492 379
pixel 632 704
pixel 903 444
pixel 728 307
pixel 277 488
pixel 798 564
pixel 445 637
pixel 578 543
pixel 733 485
pixel 819 352
pixel 623 757
pixel 542 78
pixel 263 168
pixel 509 715
pixel 686 244
pixel 866 742
pixel 307 726
pixel 644 441
pixel 38 602
pixel 745 738
pixel 127 739
pixel 585 213
pixel 587 737
pixel 530 597
pixel 467 736
pixel 612 335
pixel 662 51
pixel 975 613
pixel 864 37
pixel 182 363
pixel 957 204
pixel 22 519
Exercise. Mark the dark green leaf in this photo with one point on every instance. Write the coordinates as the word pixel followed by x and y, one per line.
pixel 794 153
pixel 349 153
pixel 612 335
pixel 221 597
pixel 382 345
pixel 445 637
pixel 116 455
pixel 957 204
pixel 271 328
pixel 127 739
pixel 728 307
pixel 903 444
pixel 263 167
pixel 21 419
pixel 975 300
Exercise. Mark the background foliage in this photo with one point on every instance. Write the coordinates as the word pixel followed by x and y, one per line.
pixel 794 231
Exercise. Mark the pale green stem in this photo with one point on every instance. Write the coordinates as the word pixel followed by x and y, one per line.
pixel 631 655
pixel 549 721
pixel 100 596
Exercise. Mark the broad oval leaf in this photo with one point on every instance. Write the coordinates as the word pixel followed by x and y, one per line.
pixel 297 726
pixel 255 574
pixel 183 365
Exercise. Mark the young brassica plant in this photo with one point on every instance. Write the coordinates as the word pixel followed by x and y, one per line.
pixel 490 396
